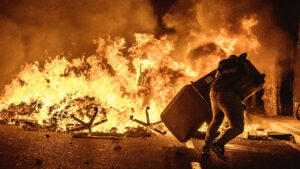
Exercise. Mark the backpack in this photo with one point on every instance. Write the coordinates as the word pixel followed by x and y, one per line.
pixel 233 64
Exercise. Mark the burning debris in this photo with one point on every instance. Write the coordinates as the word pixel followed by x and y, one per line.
pixel 77 130
pixel 90 124
pixel 144 131
pixel 112 134
pixel 61 94
pixel 149 125
pixel 32 125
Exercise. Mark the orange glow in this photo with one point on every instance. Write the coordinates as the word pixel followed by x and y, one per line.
pixel 122 84
pixel 119 79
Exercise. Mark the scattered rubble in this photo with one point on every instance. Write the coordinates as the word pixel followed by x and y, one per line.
pixel 85 135
pixel 78 130
pixel 21 109
pixel 280 136
pixel 3 122
pixel 138 132
pixel 112 134
pixel 117 148
pixel 38 162
pixel 145 131
pixel 261 134
pixel 257 137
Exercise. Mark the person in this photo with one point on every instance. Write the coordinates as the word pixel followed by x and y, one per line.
pixel 226 99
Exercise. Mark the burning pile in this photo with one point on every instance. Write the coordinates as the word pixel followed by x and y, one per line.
pixel 122 81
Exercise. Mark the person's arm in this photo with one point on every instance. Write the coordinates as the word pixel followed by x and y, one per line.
pixel 218 74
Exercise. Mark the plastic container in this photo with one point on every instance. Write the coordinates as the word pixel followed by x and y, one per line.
pixel 190 108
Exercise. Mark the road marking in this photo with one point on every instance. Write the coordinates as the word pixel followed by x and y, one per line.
pixel 194 165
pixel 237 147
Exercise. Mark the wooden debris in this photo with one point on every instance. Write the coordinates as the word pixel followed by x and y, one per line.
pixel 138 132
pixel 280 136
pixel 257 135
pixel 96 137
pixel 3 122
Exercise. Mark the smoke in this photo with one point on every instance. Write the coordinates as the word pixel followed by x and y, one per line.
pixel 204 32
pixel 34 30
pixel 11 49
pixel 206 49
pixel 208 30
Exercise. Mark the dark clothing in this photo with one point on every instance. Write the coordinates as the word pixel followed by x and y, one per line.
pixel 226 97
pixel 233 80
pixel 229 104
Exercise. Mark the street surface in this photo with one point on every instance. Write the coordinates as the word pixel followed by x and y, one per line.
pixel 30 149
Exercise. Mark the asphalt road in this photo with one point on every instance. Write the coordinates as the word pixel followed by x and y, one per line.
pixel 29 149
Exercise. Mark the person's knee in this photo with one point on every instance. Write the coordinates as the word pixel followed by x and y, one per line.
pixel 217 121
pixel 239 129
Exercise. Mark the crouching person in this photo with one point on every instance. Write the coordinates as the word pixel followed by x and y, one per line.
pixel 226 100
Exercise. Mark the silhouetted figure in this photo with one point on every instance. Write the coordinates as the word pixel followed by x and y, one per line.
pixel 226 99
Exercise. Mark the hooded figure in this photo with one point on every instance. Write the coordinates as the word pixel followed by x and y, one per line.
pixel 226 98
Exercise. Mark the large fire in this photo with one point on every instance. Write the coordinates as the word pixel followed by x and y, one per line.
pixel 121 80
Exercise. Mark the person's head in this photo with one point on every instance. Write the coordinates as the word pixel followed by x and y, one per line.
pixel 232 56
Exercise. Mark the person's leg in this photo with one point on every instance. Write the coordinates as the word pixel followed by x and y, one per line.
pixel 214 125
pixel 217 118
pixel 232 107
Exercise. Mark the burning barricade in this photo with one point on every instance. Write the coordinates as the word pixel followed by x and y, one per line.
pixel 120 79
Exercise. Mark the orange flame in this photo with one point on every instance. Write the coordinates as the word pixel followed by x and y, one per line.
pixel 121 80
pixel 122 84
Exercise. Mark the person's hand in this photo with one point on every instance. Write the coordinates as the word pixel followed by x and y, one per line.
pixel 244 107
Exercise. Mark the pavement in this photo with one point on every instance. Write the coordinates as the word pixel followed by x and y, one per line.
pixel 283 124
pixel 31 149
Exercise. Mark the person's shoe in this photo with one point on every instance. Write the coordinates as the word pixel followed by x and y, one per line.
pixel 205 151
pixel 219 150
